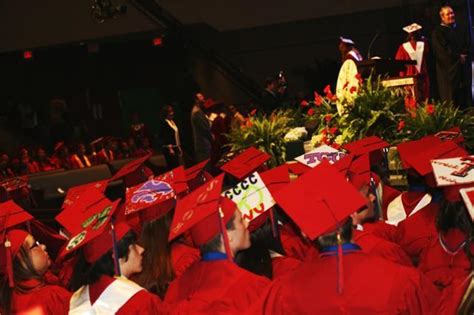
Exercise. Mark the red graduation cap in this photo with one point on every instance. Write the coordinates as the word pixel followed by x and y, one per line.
pixel 297 168
pixel 98 246
pixel 12 214
pixel 344 164
pixel 421 162
pixel 245 163
pixel 204 213
pixel 84 193
pixel 130 167
pixel 410 148
pixel 319 200
pixel 453 134
pixel 195 170
pixel 176 178
pixel 371 145
pixel 359 171
pixel 96 222
pixel 74 217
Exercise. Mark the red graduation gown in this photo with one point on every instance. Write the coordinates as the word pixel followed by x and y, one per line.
pixel 441 267
pixel 44 299
pixel 416 232
pixel 383 230
pixel 371 286
pixel 452 296
pixel 143 302
pixel 183 256
pixel 294 245
pixel 282 265
pixel 377 246
pixel 214 286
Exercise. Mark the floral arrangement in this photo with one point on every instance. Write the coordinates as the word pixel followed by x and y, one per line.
pixel 266 133
pixel 295 134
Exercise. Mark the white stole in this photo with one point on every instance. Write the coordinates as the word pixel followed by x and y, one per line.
pixel 396 211
pixel 116 295
pixel 415 54
pixel 176 131
pixel 355 55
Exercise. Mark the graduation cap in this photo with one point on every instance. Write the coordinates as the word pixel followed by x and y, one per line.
pixel 12 214
pixel 323 152
pixel 75 217
pixel 84 193
pixel 297 168
pixel 453 134
pixel 412 28
pixel 319 202
pixel 195 170
pixel 359 171
pixel 453 171
pixel 346 40
pixel 176 178
pixel 467 195
pixel 245 163
pixel 204 213
pixel 369 145
pixel 130 167
pixel 344 164
pixel 99 216
pixel 409 148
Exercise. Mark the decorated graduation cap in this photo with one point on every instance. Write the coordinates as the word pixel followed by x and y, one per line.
pixel 413 27
pixel 454 174
pixel 11 240
pixel 76 216
pixel 467 195
pixel 204 213
pixel 453 134
pixel 319 202
pixel 245 163
pixel 316 156
pixel 96 222
pixel 346 40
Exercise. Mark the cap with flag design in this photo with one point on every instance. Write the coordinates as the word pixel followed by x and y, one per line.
pixel 320 200
pixel 91 224
pixel 245 163
pixel 202 212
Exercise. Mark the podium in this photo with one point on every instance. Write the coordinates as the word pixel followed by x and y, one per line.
pixel 389 70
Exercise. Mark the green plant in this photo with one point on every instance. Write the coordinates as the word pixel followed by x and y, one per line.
pixel 264 133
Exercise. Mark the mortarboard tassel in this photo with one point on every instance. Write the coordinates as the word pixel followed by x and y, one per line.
pixel 9 264
pixel 340 265
pixel 274 224
pixel 115 250
pixel 224 235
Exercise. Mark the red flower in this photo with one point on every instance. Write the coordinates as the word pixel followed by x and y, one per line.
pixel 253 112
pixel 359 78
pixel 401 125
pixel 333 130
pixel 311 112
pixel 304 103
pixel 324 132
pixel 345 85
pixel 333 98
pixel 328 118
pixel 410 102
pixel 430 109
pixel 325 140
pixel 353 89
pixel 248 123
pixel 318 100
pixel 327 89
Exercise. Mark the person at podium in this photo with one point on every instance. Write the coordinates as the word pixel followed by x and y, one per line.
pixel 348 50
pixel 415 48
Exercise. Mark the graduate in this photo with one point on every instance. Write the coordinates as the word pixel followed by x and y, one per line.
pixel 343 279
pixel 24 263
pixel 108 254
pixel 215 283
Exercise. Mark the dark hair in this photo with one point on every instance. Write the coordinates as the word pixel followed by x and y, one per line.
pixel 454 215
pixel 330 239
pixel 215 243
pixel 23 270
pixel 257 259
pixel 157 265
pixel 86 273
pixel 164 111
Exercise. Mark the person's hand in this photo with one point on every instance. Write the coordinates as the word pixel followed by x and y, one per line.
pixel 463 58
pixel 171 150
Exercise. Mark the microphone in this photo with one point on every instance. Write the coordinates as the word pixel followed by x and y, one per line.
pixel 372 43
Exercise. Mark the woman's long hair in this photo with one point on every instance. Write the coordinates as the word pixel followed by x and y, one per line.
pixel 23 270
pixel 157 265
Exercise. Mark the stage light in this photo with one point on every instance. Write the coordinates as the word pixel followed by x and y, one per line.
pixel 27 54
pixel 157 41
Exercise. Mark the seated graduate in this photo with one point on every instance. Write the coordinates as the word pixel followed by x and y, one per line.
pixel 23 265
pixel 215 283
pixel 106 250
pixel 343 279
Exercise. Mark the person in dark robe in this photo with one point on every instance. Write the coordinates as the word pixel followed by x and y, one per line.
pixel 453 66
pixel 169 136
